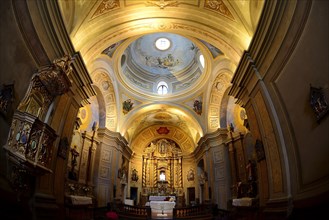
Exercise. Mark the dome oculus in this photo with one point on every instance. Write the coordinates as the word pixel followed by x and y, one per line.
pixel 162 43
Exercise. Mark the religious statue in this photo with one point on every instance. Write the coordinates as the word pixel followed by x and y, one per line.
pixel 250 172
pixel 318 102
pixel 134 175
pixel 190 175
pixel 162 147
pixel 259 148
pixel 150 149
pixel 203 177
pixel 75 154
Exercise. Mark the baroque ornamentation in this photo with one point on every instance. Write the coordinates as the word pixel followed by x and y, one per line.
pixel 163 130
pixel 30 143
pixel 106 6
pixel 50 81
pixel 54 77
pixel 167 27
pixel 219 7
pixel 162 3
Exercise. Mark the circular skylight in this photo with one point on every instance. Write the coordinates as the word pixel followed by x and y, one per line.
pixel 162 43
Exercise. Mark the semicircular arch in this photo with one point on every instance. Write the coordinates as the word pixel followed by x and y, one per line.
pixel 102 80
pixel 175 134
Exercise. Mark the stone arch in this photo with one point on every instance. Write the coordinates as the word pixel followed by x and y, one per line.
pixel 218 90
pixel 105 89
pixel 223 109
pixel 101 107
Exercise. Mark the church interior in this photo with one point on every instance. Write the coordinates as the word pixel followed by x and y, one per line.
pixel 164 109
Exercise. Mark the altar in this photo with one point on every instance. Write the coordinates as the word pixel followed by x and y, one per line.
pixel 162 209
pixel 161 198
pixel 81 200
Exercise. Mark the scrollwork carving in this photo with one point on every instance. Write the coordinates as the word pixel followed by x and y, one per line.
pixel 54 77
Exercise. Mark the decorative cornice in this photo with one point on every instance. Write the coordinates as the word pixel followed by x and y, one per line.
pixel 219 136
pixel 116 136
pixel 82 79
pixel 241 78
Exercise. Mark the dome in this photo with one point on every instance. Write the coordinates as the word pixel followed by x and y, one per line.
pixel 161 59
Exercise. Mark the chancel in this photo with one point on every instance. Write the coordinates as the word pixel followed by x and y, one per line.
pixel 160 109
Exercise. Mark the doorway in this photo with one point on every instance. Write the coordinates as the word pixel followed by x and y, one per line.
pixel 191 196
pixel 133 194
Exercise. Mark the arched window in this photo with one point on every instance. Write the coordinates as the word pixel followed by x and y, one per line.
pixel 162 88
pixel 162 43
pixel 201 59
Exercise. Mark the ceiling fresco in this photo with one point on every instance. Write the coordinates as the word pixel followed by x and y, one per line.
pixel 130 47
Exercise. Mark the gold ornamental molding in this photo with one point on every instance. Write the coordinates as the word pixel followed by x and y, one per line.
pixel 162 3
pixel 106 6
pixel 176 134
pixel 218 6
pixel 152 25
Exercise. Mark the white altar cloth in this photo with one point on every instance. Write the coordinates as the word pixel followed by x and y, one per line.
pixel 129 202
pixel 81 200
pixel 162 209
pixel 245 201
pixel 162 205
pixel 160 198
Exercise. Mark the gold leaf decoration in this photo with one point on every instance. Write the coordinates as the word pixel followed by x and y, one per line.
pixel 219 7
pixel 106 6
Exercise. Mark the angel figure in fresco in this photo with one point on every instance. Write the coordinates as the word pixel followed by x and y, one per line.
pixel 197 107
pixel 127 106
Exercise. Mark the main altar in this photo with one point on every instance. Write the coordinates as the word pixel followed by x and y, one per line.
pixel 162 209
pixel 162 174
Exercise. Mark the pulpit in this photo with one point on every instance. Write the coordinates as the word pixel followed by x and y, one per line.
pixel 79 207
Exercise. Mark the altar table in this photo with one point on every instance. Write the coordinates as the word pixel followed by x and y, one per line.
pixel 162 209
pixel 81 200
pixel 160 198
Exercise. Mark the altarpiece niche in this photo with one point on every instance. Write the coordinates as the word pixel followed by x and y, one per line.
pixel 162 168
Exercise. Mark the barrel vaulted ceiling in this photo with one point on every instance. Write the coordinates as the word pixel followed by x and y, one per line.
pixel 118 41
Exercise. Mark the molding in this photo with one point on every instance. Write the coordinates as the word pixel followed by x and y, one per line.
pixel 206 142
pixel 104 133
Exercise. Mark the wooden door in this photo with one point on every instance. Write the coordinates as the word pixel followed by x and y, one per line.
pixel 190 195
